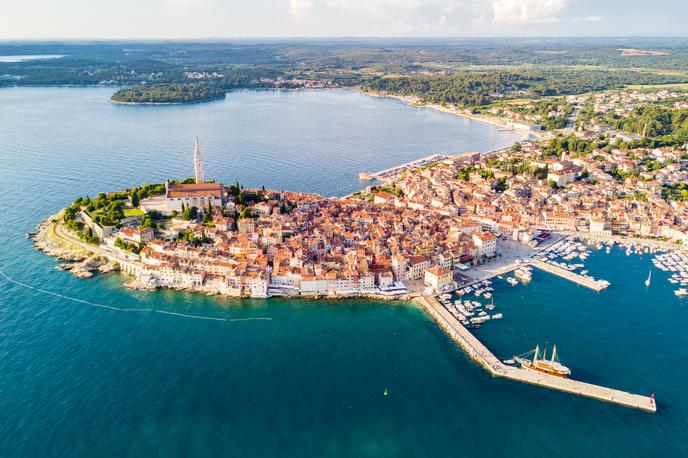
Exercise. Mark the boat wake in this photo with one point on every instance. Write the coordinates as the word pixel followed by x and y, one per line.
pixel 127 309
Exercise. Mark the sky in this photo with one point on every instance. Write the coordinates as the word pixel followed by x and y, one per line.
pixel 146 19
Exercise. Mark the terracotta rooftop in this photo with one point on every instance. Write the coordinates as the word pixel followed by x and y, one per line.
pixel 194 190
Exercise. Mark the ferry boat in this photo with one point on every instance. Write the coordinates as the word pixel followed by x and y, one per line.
pixel 543 365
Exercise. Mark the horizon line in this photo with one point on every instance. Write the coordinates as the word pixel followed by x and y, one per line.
pixel 336 38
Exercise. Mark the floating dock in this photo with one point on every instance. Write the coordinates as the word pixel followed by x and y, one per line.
pixel 479 353
pixel 597 285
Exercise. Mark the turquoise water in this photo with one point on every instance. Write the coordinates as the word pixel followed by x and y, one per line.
pixel 82 381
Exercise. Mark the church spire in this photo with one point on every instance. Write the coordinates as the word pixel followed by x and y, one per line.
pixel 198 164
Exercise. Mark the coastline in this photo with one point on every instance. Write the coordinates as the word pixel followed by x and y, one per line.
pixel 414 102
pixel 190 102
pixel 84 261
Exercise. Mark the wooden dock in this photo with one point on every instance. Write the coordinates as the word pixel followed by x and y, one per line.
pixel 478 352
pixel 597 285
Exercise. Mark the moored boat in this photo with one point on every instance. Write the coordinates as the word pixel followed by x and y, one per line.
pixel 543 365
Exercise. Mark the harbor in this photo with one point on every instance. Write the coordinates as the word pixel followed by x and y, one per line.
pixel 485 358
pixel 392 173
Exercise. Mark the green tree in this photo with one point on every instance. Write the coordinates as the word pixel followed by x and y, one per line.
pixel 135 198
pixel 190 213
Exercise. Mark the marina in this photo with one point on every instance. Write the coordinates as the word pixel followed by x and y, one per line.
pixel 484 357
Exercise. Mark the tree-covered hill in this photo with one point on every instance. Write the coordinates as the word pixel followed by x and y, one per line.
pixel 168 93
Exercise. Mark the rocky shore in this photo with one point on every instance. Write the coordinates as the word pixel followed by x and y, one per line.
pixel 80 262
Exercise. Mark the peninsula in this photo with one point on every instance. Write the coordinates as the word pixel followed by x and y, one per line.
pixel 436 226
pixel 165 94
pixel 413 234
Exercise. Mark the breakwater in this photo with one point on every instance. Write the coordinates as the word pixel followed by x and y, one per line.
pixel 483 356
pixel 588 282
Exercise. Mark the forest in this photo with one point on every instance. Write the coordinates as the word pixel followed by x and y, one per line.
pixel 168 93
pixel 480 88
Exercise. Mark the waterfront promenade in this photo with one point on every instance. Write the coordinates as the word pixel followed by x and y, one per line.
pixel 512 256
pixel 483 356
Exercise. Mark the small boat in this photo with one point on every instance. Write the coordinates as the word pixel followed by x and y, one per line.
pixel 543 365
pixel 681 292
pixel 649 277
pixel 509 362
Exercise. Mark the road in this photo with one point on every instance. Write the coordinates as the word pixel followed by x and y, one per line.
pixel 59 232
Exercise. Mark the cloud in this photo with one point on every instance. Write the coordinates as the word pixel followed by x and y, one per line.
pixel 360 7
pixel 185 6
pixel 383 16
pixel 299 8
pixel 521 12
pixel 588 19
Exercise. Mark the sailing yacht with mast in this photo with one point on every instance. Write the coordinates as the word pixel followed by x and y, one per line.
pixel 543 365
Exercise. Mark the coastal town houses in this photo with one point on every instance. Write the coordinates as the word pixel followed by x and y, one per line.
pixel 138 236
pixel 438 278
pixel 448 215
pixel 486 243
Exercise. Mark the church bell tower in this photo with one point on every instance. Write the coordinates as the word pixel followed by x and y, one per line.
pixel 198 164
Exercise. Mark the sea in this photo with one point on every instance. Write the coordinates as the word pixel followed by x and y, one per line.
pixel 349 378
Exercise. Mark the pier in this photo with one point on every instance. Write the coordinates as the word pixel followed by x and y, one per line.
pixel 480 354
pixel 596 285
pixel 392 172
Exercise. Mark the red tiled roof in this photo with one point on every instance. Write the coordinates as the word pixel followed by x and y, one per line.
pixel 194 190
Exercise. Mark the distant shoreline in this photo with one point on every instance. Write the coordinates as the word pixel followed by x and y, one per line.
pixel 413 102
pixel 116 102
pixel 181 102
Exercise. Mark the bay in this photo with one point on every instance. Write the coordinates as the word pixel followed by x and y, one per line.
pixel 77 380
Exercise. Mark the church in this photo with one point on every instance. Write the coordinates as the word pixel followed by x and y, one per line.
pixel 198 194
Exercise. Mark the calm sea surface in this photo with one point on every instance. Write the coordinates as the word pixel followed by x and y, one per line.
pixel 76 380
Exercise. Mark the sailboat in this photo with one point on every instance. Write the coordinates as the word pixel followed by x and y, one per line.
pixel 491 305
pixel 543 365
pixel 649 276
